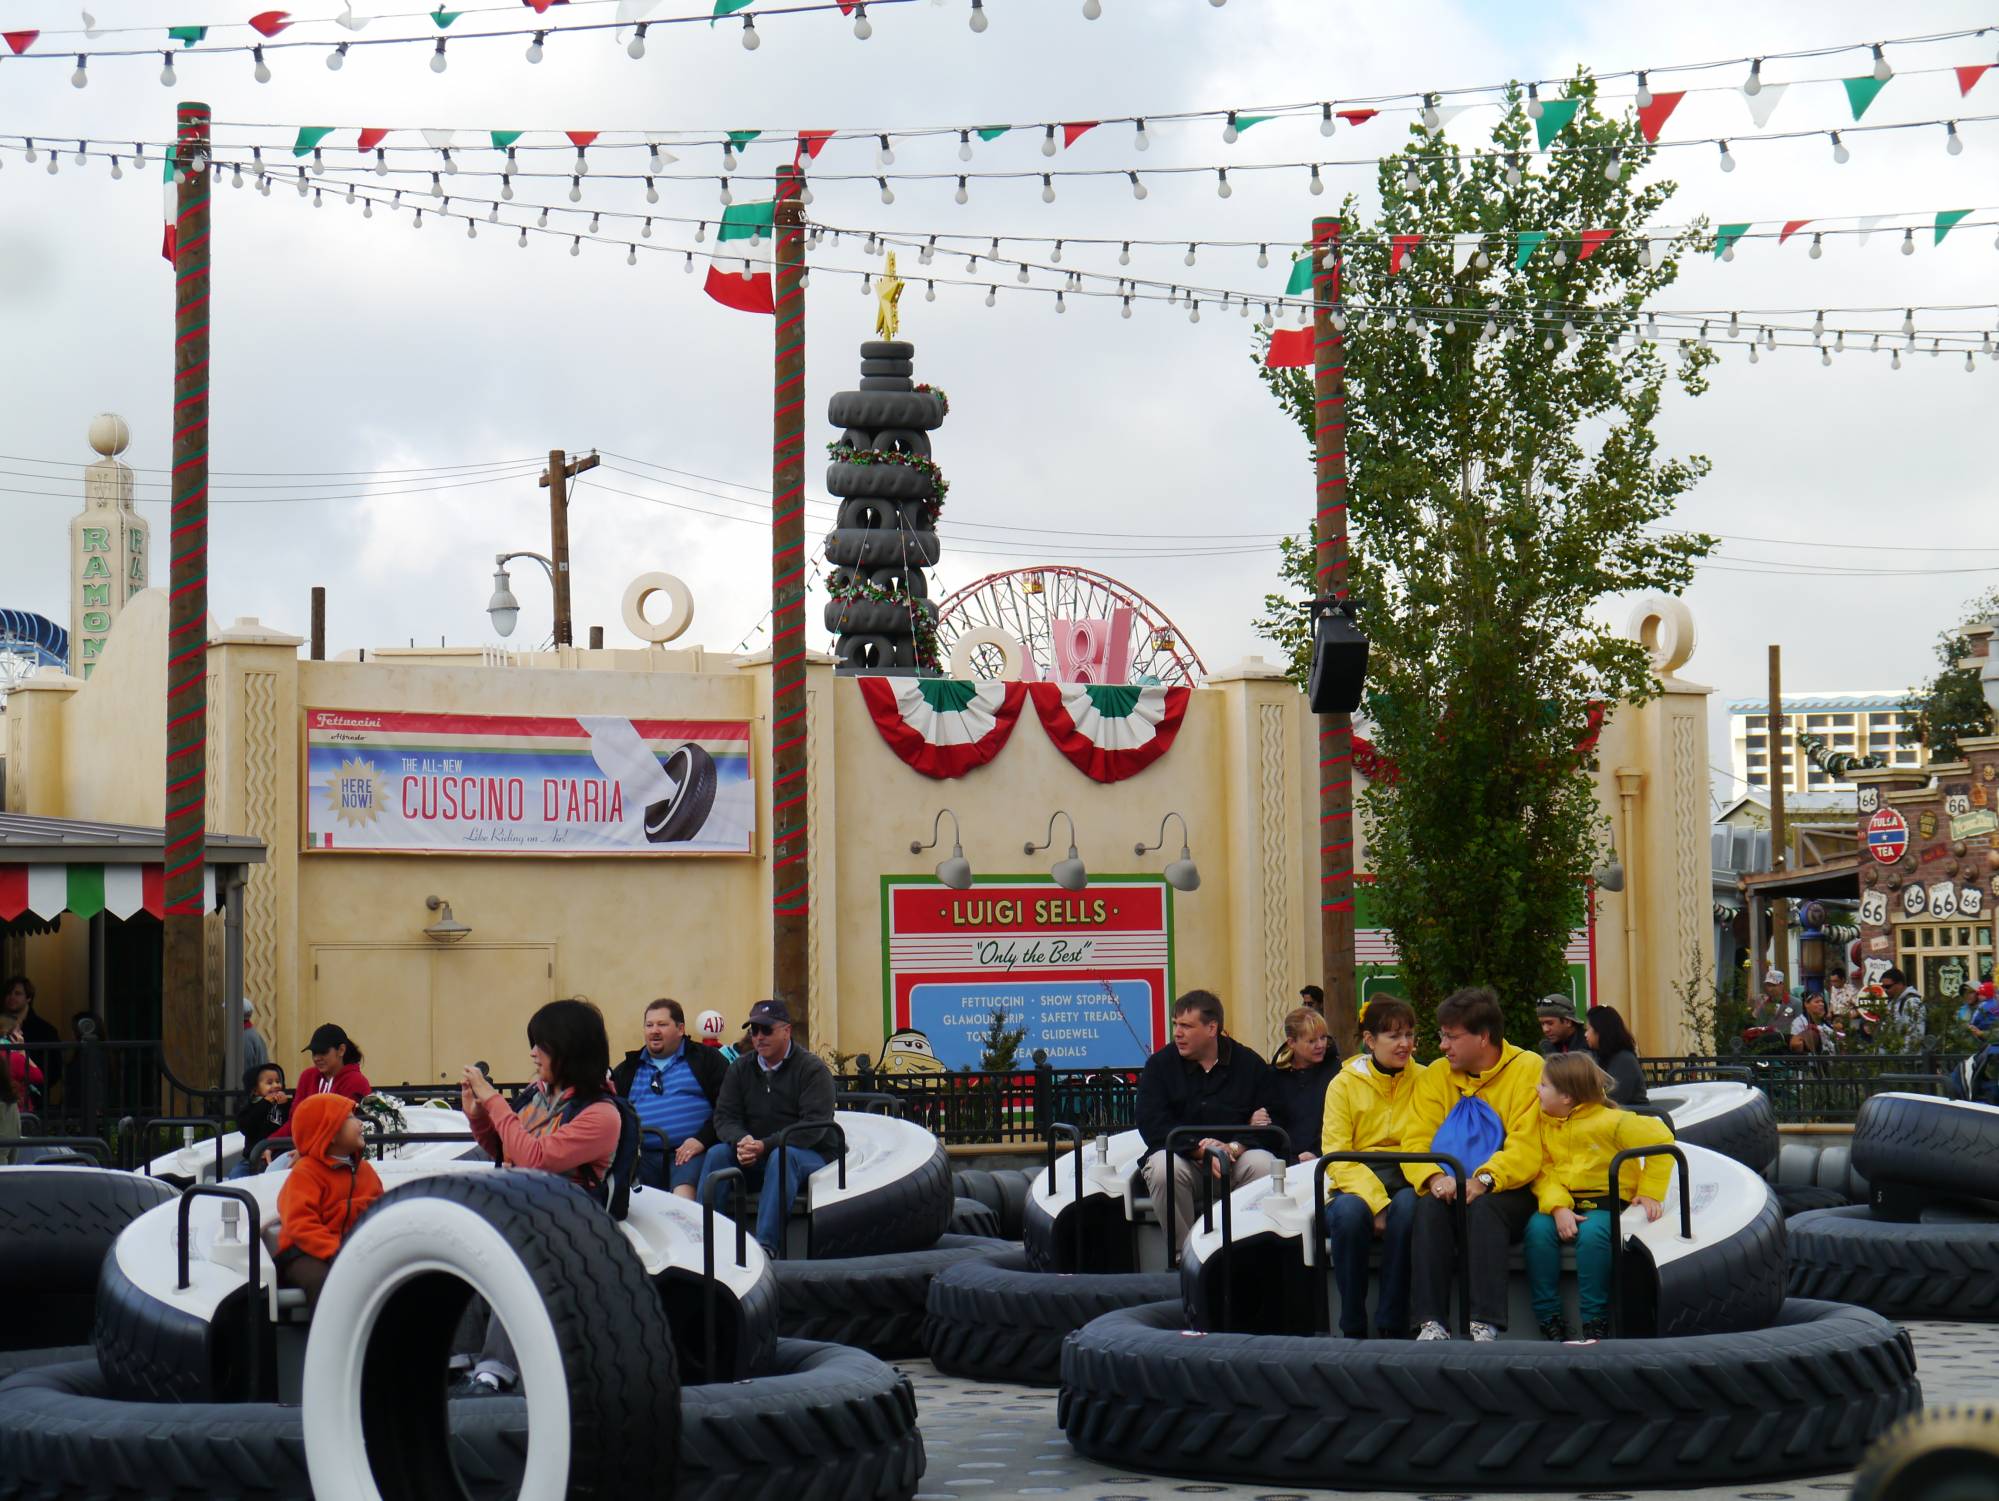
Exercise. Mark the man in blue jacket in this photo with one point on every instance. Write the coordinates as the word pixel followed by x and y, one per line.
pixel 1202 1078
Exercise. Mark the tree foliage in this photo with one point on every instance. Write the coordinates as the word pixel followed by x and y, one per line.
pixel 1951 705
pixel 1502 487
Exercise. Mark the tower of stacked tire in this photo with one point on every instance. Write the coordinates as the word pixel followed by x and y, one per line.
pixel 886 533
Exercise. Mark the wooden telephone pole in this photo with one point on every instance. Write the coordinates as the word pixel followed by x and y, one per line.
pixel 790 885
pixel 1778 759
pixel 561 470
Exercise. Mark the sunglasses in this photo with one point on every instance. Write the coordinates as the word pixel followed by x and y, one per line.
pixel 658 1082
pixel 762 1029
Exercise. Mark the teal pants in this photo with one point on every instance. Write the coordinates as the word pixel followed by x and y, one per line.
pixel 1543 1251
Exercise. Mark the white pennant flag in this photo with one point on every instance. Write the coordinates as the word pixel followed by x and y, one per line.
pixel 90 26
pixel 1869 224
pixel 635 10
pixel 1449 112
pixel 666 157
pixel 439 140
pixel 1763 104
pixel 1463 248
pixel 351 21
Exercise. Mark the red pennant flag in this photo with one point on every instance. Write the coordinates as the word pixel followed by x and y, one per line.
pixel 1967 78
pixel 20 41
pixel 1356 116
pixel 1652 118
pixel 540 7
pixel 752 296
pixel 271 22
pixel 847 6
pixel 368 140
pixel 1791 227
pixel 13 891
pixel 1290 349
pixel 1591 239
pixel 1399 246
pixel 580 138
pixel 810 143
pixel 1075 130
pixel 167 244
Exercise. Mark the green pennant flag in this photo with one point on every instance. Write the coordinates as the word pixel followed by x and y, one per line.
pixel 1726 235
pixel 745 221
pixel 1527 242
pixel 1860 92
pixel 742 138
pixel 502 139
pixel 310 136
pixel 1947 221
pixel 1243 122
pixel 85 890
pixel 727 8
pixel 187 36
pixel 991 132
pixel 1555 117
pixel 1301 277
pixel 444 17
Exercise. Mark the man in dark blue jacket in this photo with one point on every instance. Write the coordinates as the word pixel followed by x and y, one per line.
pixel 1202 1078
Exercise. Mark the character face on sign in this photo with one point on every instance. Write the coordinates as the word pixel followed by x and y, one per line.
pixel 1970 902
pixel 909 1052
pixel 1874 908
pixel 1913 901
pixel 1943 900
pixel 1870 799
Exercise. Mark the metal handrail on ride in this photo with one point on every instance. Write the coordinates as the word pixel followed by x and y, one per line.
pixel 96 1146
pixel 134 1131
pixel 1323 1236
pixel 775 1146
pixel 1197 1133
pixel 1630 1154
pixel 254 1327
pixel 740 1207
pixel 1074 1135
pixel 384 1139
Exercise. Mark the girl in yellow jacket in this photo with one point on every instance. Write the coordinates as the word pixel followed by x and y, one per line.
pixel 1367 1105
pixel 1580 1132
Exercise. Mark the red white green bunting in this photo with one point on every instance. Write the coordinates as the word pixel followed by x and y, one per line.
pixel 1109 731
pixel 941 726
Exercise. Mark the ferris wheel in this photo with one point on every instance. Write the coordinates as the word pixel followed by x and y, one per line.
pixel 1024 603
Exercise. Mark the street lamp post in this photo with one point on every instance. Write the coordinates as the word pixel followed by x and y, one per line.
pixel 504 608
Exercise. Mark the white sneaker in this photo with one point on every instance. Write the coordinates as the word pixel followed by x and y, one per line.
pixel 1432 1330
pixel 1483 1334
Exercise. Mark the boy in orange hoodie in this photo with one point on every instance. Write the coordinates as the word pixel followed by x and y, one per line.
pixel 328 1186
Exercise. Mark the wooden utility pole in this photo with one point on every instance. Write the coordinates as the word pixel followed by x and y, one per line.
pixel 184 1030
pixel 1778 760
pixel 1329 392
pixel 561 470
pixel 319 622
pixel 791 889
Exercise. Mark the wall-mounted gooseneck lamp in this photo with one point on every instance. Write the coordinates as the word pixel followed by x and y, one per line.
pixel 956 871
pixel 1067 873
pixel 1181 874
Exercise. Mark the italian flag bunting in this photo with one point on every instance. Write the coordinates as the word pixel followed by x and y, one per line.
pixel 943 727
pixel 745 296
pixel 1109 731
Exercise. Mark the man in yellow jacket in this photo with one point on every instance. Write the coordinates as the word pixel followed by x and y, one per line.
pixel 1479 1104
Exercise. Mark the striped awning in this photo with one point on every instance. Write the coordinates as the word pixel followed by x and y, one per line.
pixel 48 891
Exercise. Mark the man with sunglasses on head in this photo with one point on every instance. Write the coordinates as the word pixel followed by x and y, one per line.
pixel 673 1085
pixel 773 1085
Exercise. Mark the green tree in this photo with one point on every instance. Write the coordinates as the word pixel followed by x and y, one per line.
pixel 1951 706
pixel 1000 1047
pixel 1505 481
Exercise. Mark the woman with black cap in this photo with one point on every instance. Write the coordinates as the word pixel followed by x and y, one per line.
pixel 336 1069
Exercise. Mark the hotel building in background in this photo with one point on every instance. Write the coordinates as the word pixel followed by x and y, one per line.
pixel 1858 722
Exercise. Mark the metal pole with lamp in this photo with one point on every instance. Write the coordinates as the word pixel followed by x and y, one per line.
pixel 503 607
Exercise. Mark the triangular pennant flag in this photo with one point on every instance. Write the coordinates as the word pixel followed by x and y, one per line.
pixel 746 221
pixel 581 138
pixel 351 21
pixel 1763 103
pixel 810 144
pixel 1947 221
pixel 310 136
pixel 368 140
pixel 1529 241
pixel 20 41
pixel 1868 225
pixel 1791 227
pixel 1290 348
pixel 1591 239
pixel 1725 235
pixel 1862 91
pixel 1398 247
pixel 1356 116
pixel 187 36
pixel 270 22
pixel 1243 122
pixel 1074 130
pixel 1652 118
pixel 90 26
pixel 729 289
pixel 502 139
pixel 169 206
pixel 1555 117
pixel 727 8
pixel 741 138
pixel 635 10
pixel 1300 283
pixel 444 17
pixel 1446 113
pixel 1967 78
pixel 991 132
pixel 439 140
pixel 657 146
pixel 1464 250
pixel 167 244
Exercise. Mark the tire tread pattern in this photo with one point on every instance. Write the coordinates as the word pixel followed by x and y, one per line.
pixel 875 1303
pixel 1935 1269
pixel 1000 1321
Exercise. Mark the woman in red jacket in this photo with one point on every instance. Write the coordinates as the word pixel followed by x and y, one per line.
pixel 336 1069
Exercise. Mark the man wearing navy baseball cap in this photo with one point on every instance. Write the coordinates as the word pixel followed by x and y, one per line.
pixel 773 1086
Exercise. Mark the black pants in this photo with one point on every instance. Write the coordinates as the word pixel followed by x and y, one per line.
pixel 1493 1221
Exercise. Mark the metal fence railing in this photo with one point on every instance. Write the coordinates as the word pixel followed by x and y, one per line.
pixel 1017 1105
pixel 1827 1090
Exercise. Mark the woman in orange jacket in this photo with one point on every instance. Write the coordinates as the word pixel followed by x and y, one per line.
pixel 328 1187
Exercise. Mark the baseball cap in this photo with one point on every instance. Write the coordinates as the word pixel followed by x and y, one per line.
pixel 1773 976
pixel 1556 1005
pixel 772 1012
pixel 326 1037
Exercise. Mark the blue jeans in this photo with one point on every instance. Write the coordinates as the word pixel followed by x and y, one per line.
pixel 1542 1249
pixel 775 1201
pixel 657 1169
pixel 1350 1223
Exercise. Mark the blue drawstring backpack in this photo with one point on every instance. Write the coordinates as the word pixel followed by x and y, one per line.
pixel 1472 1133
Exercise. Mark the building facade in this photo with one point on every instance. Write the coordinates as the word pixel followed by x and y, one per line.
pixel 1862 723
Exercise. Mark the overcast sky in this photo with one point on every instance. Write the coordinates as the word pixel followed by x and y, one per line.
pixel 344 344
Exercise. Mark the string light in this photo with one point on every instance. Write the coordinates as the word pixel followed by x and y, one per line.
pixel 1222 188
pixel 888 194
pixel 1317 184
pixel 636 47
pixel 1818 246
pixel 1908 242
pixel 1137 187
pixel 1229 132
pixel 863 27
pixel 1753 85
pixel 1092 9
pixel 978 15
pixel 1728 162
pixel 1048 188
pixel 1326 119
pixel 337 58
pixel 1840 154
pixel 438 61
pixel 1048 140
pixel 534 55
pixel 167 74
pixel 262 72
pixel 962 195
pixel 751 41
pixel 1952 141
pixel 1882 72
pixel 1140 141
pixel 1643 98
pixel 81 77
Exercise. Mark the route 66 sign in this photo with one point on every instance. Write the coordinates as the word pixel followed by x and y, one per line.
pixel 1957 804
pixel 1970 902
pixel 1870 799
pixel 1913 901
pixel 1874 908
pixel 1943 900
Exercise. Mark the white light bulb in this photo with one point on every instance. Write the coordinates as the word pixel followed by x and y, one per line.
pixel 751 41
pixel 1092 9
pixel 646 229
pixel 594 221
pixel 81 77
pixel 167 75
pixel 1125 311
pixel 652 191
pixel 1060 305
pixel 727 196
pixel 1138 189
pixel 575 190
pixel 1047 188
pixel 1431 119
pixel 534 56
pixel 381 162
pixel 1894 359
pixel 1953 142
pixel 541 220
pixel 1229 132
pixel 688 266
pixel 1643 98
pixel 1318 185
pixel 1189 257
pixel 636 47
pixel 1533 101
pixel 1908 242
pixel 1325 119
pixel 978 15
pixel 930 291
pixel 888 193
pixel 1222 188
pixel 1048 140
pixel 964 145
pixel 118 172
pixel 1753 85
pixel 262 72
pixel 575 245
pixel 631 255
pixel 1124 255
pixel 961 195
pixel 1882 72
pixel 1818 247
pixel 1056 253
pixel 992 296
pixel 1611 168
pixel 1839 152
pixel 1194 312
pixel 1262 256
pixel 1140 140
pixel 1727 161
pixel 863 27
pixel 1023 274
pixel 1752 354
pixel 337 58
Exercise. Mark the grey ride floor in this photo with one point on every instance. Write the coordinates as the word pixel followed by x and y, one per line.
pixel 992 1442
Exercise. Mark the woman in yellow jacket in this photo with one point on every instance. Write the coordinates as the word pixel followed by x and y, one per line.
pixel 1366 1105
pixel 1580 1132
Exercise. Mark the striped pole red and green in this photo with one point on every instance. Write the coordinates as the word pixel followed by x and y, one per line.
pixel 183 981
pixel 791 891
pixel 1336 845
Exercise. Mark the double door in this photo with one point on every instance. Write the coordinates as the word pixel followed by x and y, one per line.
pixel 421 1012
